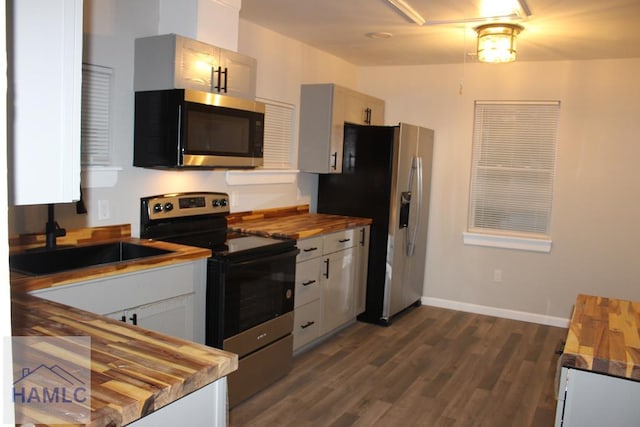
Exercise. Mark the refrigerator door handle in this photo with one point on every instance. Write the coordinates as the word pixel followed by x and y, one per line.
pixel 411 230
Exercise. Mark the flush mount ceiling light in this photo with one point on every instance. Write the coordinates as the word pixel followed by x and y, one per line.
pixel 497 42
pixel 408 11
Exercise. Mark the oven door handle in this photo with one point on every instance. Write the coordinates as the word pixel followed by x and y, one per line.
pixel 254 258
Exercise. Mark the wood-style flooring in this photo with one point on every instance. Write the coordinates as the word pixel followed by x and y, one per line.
pixel 431 367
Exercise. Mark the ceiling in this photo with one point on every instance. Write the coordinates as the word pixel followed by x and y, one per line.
pixel 555 29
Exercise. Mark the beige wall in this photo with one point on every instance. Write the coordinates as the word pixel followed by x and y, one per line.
pixel 596 208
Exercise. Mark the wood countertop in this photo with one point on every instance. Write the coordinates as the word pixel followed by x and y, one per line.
pixel 26 283
pixel 604 337
pixel 292 222
pixel 134 371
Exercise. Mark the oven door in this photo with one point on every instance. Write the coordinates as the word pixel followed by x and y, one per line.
pixel 243 293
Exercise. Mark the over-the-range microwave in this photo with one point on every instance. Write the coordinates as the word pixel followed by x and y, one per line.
pixel 182 128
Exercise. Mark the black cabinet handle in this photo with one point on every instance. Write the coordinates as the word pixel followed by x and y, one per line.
pixel 218 86
pixel 308 282
pixel 134 319
pixel 334 166
pixel 309 249
pixel 343 240
pixel 225 72
pixel 367 115
pixel 306 325
pixel 362 235
pixel 326 273
pixel 123 318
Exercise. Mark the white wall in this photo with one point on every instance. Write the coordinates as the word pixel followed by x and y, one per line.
pixel 110 30
pixel 597 191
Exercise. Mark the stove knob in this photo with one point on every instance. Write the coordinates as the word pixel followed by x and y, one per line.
pixel 157 208
pixel 216 203
pixel 168 206
pixel 223 202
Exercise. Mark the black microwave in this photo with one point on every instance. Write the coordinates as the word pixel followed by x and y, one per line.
pixel 182 128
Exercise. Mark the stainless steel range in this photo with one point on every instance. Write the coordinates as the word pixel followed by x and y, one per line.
pixel 250 284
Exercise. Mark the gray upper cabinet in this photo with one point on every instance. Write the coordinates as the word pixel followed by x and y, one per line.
pixel 171 61
pixel 324 109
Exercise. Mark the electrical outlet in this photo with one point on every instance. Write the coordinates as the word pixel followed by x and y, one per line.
pixel 497 275
pixel 234 199
pixel 103 210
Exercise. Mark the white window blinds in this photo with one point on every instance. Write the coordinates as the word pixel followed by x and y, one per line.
pixel 278 135
pixel 95 120
pixel 513 167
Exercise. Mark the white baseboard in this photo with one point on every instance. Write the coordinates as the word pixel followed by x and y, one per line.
pixel 497 312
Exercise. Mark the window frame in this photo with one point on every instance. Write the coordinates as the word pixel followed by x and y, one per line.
pixel 525 164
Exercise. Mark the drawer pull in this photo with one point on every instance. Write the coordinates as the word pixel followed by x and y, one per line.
pixel 306 325
pixel 343 240
pixel 309 249
pixel 308 282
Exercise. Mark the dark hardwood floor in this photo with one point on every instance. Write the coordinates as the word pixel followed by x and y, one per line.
pixel 431 367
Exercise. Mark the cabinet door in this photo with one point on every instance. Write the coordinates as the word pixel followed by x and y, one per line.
pixel 377 111
pixel 306 324
pixel 46 77
pixel 362 109
pixel 322 109
pixel 241 74
pixel 337 289
pixel 362 262
pixel 196 65
pixel 307 281
pixel 172 316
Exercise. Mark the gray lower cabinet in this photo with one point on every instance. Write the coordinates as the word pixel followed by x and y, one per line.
pixel 168 299
pixel 589 399
pixel 330 284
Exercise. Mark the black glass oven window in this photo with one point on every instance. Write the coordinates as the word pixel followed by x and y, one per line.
pixel 217 134
pixel 256 291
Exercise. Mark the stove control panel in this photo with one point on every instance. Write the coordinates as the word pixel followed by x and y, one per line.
pixel 185 204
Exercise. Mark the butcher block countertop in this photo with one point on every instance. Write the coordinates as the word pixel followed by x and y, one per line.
pixel 84 236
pixel 134 371
pixel 291 222
pixel 604 337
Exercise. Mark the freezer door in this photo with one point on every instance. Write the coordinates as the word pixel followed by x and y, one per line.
pixel 409 218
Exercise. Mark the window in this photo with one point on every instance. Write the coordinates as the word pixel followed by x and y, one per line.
pixel 96 102
pixel 278 135
pixel 512 173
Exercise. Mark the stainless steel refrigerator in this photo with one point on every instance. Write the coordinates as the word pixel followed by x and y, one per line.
pixel 386 176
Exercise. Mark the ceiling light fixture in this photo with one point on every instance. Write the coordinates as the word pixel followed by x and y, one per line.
pixel 497 42
pixel 408 11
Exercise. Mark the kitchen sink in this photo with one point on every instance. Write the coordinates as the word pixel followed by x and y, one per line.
pixel 71 258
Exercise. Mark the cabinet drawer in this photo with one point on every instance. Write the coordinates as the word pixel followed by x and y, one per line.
pixel 306 324
pixel 309 248
pixel 340 240
pixel 307 281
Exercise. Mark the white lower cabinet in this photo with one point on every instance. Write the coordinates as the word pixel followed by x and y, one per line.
pixel 173 316
pixel 330 283
pixel 589 399
pixel 168 299
pixel 206 406
pixel 306 320
pixel 337 289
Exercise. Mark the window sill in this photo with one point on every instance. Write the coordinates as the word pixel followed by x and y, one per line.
pixel 507 242
pixel 260 176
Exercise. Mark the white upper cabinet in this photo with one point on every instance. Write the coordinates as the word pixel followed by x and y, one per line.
pixel 324 109
pixel 45 83
pixel 171 61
